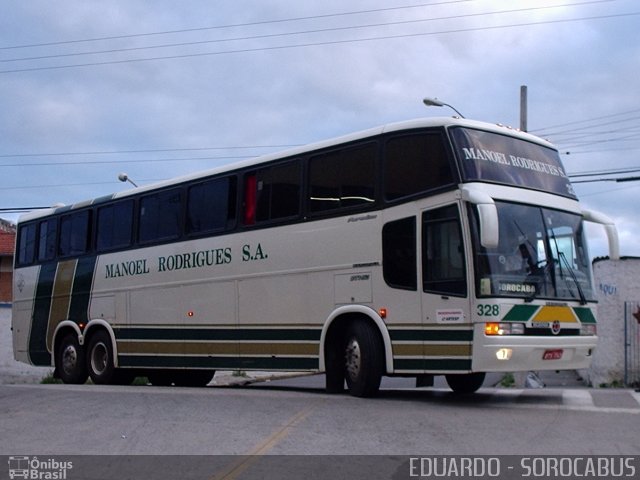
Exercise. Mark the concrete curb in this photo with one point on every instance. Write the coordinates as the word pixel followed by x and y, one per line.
pixel 233 379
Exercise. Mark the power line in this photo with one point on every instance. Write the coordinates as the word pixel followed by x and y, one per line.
pixel 79 184
pixel 594 173
pixel 304 32
pixel 618 180
pixel 237 25
pixel 322 43
pixel 112 162
pixel 20 209
pixel 543 131
pixel 154 150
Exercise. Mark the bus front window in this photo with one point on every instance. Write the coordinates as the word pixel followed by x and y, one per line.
pixel 541 253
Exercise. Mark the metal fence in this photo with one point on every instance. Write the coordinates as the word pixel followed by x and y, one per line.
pixel 632 344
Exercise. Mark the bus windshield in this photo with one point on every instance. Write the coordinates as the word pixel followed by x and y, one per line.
pixel 541 253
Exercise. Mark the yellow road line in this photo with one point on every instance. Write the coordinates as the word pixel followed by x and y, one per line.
pixel 245 461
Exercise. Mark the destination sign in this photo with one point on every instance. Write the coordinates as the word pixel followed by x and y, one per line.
pixel 491 157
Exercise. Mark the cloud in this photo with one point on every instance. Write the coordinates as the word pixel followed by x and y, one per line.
pixel 279 92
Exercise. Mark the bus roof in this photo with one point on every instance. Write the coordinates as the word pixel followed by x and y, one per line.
pixel 372 132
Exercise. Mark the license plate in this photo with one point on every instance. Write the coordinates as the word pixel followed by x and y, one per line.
pixel 552 355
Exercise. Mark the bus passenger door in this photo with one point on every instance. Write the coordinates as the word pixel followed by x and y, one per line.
pixel 448 329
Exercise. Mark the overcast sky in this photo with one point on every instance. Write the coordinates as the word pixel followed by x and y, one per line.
pixel 158 89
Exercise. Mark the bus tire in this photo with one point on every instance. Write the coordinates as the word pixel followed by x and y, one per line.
pixel 465 382
pixel 70 360
pixel 364 359
pixel 100 358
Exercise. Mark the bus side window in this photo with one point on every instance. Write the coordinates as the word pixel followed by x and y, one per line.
pixel 47 240
pixel 115 226
pixel 399 254
pixel 211 206
pixel 415 163
pixel 272 193
pixel 160 216
pixel 343 178
pixel 74 233
pixel 27 244
pixel 443 266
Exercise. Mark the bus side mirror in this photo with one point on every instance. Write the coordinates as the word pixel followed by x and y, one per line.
pixel 487 213
pixel 609 228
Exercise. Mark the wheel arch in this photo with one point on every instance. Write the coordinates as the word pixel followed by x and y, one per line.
pixel 61 329
pixel 340 317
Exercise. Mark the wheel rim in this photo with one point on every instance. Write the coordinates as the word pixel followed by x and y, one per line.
pixel 353 359
pixel 99 358
pixel 69 359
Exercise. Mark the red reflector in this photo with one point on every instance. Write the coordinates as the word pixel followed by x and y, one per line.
pixel 552 355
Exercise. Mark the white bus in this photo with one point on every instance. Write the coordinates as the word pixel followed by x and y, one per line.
pixel 429 247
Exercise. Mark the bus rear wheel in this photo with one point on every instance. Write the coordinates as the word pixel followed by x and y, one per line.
pixel 465 382
pixel 364 360
pixel 70 360
pixel 100 358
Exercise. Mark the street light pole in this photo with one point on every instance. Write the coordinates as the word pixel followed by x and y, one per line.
pixel 434 102
pixel 123 177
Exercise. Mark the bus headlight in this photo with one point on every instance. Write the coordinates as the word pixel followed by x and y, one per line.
pixel 504 354
pixel 492 328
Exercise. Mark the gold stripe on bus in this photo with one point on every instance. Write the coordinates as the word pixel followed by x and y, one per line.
pixel 199 348
pixel 60 298
pixel 418 350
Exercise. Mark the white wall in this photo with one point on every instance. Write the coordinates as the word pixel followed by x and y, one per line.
pixel 616 282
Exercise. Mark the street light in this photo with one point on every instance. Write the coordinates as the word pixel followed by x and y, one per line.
pixel 123 177
pixel 434 102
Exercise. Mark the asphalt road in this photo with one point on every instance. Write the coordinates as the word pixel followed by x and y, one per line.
pixel 296 417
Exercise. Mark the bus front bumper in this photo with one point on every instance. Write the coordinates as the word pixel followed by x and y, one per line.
pixel 514 353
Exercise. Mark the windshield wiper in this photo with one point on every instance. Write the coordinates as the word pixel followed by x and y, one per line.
pixel 583 299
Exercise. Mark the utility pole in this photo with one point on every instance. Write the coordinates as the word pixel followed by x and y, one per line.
pixel 523 108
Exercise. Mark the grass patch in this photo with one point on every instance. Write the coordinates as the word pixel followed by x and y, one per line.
pixel 50 379
pixel 613 384
pixel 140 381
pixel 508 381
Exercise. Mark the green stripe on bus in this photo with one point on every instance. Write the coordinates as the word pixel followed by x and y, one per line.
pixel 81 291
pixel 585 315
pixel 38 352
pixel 520 313
pixel 227 363
pixel 236 334
pixel 434 365
pixel 432 335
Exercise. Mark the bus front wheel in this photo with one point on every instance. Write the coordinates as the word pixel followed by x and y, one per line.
pixel 70 360
pixel 465 382
pixel 364 360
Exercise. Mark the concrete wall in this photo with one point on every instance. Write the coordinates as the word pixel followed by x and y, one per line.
pixel 616 282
